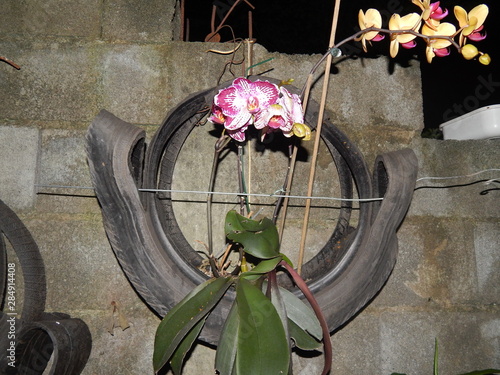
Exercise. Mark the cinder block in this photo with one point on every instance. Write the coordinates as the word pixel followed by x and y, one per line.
pixel 82 271
pixel 407 341
pixel 486 245
pixel 141 21
pixel 356 347
pixel 435 266
pixel 63 158
pixel 388 102
pixel 135 83
pixel 51 18
pixel 124 351
pixel 57 81
pixel 19 151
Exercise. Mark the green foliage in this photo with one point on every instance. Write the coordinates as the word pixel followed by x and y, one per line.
pixel 259 330
pixel 301 314
pixel 259 238
pixel 264 266
pixel 228 343
pixel 262 344
pixel 182 319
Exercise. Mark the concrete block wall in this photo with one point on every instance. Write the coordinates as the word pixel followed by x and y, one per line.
pixel 80 56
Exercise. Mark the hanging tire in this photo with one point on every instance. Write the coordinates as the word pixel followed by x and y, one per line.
pixel 345 274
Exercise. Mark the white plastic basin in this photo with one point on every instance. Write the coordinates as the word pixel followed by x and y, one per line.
pixel 483 123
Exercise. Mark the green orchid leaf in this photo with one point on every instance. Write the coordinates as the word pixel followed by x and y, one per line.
pixel 301 338
pixel 262 345
pixel 264 266
pixel 259 238
pixel 177 359
pixel 301 314
pixel 280 307
pixel 180 320
pixel 483 372
pixel 286 259
pixel 228 343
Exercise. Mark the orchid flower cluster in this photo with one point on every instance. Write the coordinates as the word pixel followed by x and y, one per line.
pixel 439 35
pixel 267 106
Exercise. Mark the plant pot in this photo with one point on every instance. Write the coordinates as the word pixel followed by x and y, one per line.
pixel 483 123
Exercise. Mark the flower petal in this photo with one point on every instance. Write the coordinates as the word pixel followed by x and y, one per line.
pixel 241 119
pixel 394 48
pixel 441 52
pixel 266 92
pixel 429 53
pixel 238 135
pixel 461 15
pixel 480 12
pixel 229 101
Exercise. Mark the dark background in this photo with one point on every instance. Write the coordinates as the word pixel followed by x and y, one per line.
pixel 452 86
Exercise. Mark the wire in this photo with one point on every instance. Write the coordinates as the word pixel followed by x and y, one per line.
pixel 274 195
pixel 464 176
pixel 278 193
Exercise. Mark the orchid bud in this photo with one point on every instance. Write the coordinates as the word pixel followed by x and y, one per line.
pixel 302 131
pixel 469 51
pixel 485 59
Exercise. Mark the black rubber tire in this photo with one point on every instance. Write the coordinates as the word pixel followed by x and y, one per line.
pixel 30 261
pixel 67 339
pixel 159 262
pixel 327 272
pixel 163 152
pixel 37 334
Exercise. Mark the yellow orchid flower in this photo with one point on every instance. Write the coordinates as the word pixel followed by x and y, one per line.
pixel 438 46
pixel 371 18
pixel 471 23
pixel 432 13
pixel 411 21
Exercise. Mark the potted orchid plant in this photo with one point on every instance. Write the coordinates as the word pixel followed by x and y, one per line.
pixel 267 321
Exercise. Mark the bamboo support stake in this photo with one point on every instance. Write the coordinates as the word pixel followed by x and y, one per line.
pixel 317 138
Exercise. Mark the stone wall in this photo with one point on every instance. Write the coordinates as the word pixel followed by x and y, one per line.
pixel 80 56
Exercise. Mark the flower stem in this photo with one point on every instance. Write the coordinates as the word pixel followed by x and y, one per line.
pixel 327 344
pixel 219 146
pixel 241 182
pixel 292 153
pixel 305 88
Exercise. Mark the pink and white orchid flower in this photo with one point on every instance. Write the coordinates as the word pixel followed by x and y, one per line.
pixel 260 103
pixel 281 116
pixel 241 101
pixel 216 116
